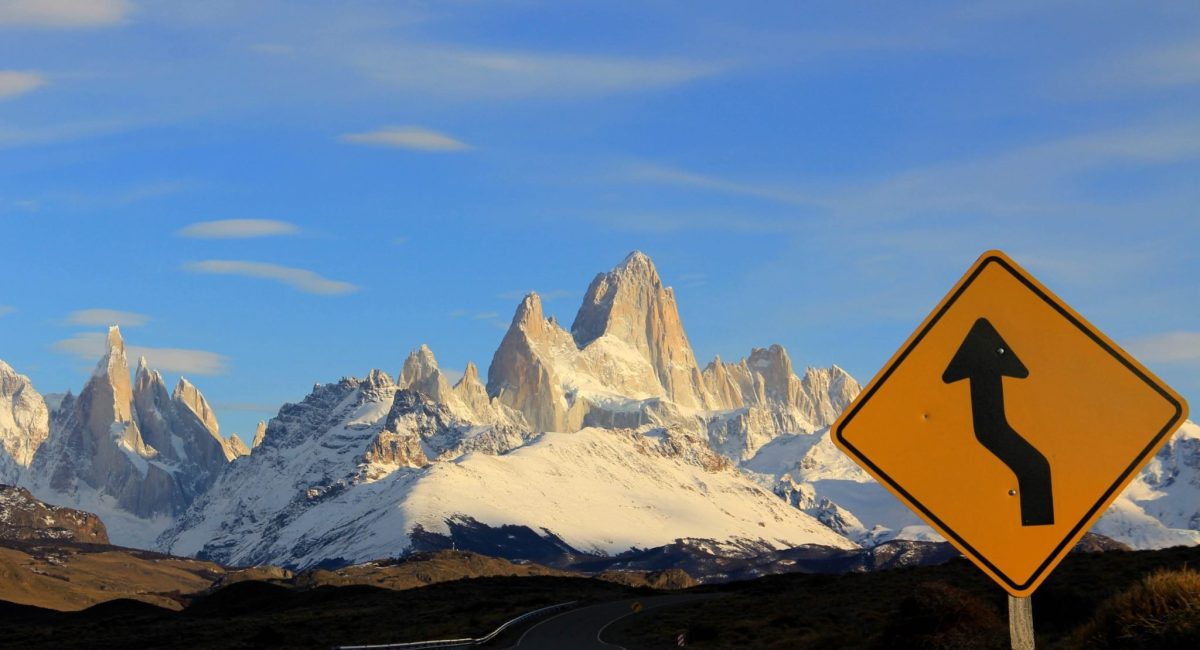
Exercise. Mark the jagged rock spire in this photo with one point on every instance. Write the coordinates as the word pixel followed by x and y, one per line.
pixel 421 373
pixel 260 433
pixel 521 377
pixel 150 451
pixel 111 378
pixel 193 400
pixel 631 304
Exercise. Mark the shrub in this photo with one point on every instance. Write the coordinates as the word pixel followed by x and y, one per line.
pixel 938 616
pixel 1161 611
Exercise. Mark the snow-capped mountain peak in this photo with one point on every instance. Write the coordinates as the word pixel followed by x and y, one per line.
pixel 24 423
pixel 631 305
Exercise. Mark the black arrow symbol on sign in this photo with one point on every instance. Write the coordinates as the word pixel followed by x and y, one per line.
pixel 985 359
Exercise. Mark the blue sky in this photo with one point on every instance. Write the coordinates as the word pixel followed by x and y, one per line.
pixel 807 174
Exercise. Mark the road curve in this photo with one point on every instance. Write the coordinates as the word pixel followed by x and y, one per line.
pixel 581 629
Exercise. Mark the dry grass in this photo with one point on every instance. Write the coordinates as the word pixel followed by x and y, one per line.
pixel 939 616
pixel 67 580
pixel 1161 611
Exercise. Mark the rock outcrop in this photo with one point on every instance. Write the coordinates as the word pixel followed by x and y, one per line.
pixel 260 432
pixel 234 447
pixel 467 400
pixel 421 373
pixel 24 518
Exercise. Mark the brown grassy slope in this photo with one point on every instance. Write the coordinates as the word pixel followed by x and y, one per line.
pixel 66 577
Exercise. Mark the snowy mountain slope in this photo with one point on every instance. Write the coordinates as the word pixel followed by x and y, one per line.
pixel 349 472
pixel 610 490
pixel 24 423
pixel 1161 507
pixel 809 472
pixel 309 451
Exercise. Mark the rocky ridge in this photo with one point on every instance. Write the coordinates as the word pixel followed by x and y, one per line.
pixel 24 518
pixel 127 449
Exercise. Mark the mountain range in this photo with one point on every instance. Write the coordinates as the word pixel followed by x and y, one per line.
pixel 601 439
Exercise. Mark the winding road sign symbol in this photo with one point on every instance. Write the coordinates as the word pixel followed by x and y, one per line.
pixel 985 359
pixel 1008 422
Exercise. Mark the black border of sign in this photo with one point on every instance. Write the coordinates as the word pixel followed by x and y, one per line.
pixel 1149 449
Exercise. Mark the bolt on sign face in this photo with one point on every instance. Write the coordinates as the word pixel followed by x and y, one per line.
pixel 1008 423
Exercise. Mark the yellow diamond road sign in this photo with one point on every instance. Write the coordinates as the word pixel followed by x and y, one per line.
pixel 1008 423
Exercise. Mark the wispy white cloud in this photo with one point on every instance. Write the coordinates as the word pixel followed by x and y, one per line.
pixel 660 221
pixel 665 175
pixel 63 13
pixel 485 315
pixel 238 229
pixel 1081 266
pixel 6 310
pixel 27 135
pixel 1159 66
pixel 1175 65
pixel 459 73
pixel 300 279
pixel 1167 347
pixel 407 137
pixel 94 317
pixel 91 199
pixel 1028 180
pixel 14 83
pixel 90 346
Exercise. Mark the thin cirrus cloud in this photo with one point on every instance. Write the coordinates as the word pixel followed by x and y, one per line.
pixel 6 310
pixel 461 73
pixel 63 13
pixel 664 175
pixel 1018 181
pixel 300 279
pixel 96 317
pixel 90 346
pixel 238 229
pixel 1168 347
pixel 407 137
pixel 14 83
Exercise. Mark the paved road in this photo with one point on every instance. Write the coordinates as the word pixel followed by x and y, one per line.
pixel 581 629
